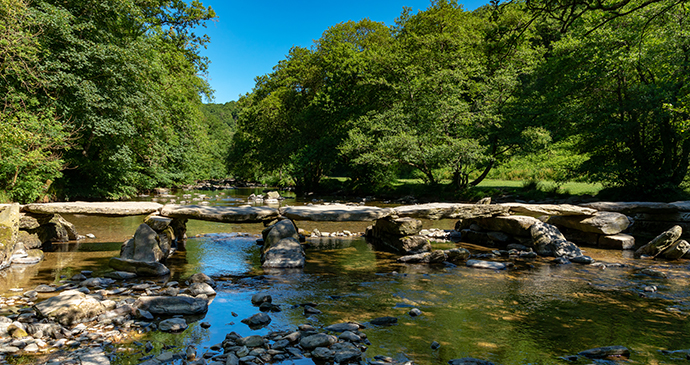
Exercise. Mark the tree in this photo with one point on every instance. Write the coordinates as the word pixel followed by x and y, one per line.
pixel 623 88
pixel 295 118
pixel 32 137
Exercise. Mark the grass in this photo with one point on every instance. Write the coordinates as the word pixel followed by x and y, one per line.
pixel 495 188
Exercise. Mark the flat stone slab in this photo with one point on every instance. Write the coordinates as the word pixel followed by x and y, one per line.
pixel 536 210
pixel 94 208
pixel 220 213
pixel 630 208
pixel 451 210
pixel 335 213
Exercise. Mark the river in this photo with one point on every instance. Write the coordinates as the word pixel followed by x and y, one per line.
pixel 533 314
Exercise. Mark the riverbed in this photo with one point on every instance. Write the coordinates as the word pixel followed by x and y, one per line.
pixel 534 313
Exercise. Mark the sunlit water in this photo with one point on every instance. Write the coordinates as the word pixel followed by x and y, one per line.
pixel 533 314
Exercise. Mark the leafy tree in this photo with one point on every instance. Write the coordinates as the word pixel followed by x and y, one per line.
pixel 30 133
pixel 623 89
pixel 295 117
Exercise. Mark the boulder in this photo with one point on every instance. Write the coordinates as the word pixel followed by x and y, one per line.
pixel 514 225
pixel 70 307
pixel 170 306
pixel 548 241
pixel 660 243
pixel 405 226
pixel 619 241
pixel 606 223
pixel 28 222
pixel 66 226
pixel 286 253
pixel 30 240
pixel 157 223
pixel 677 250
pixel 281 247
pixel 201 288
pixel 257 321
pixel 141 268
pixel 145 246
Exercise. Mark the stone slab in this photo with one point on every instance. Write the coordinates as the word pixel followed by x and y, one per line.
pixel 221 214
pixel 451 211
pixel 630 208
pixel 537 210
pixel 94 208
pixel 335 213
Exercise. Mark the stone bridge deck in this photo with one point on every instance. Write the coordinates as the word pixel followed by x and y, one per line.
pixel 325 212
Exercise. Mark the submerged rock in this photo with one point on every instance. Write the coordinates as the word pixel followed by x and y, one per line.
pixel 70 307
pixel 469 361
pixel 172 305
pixel 173 325
pixel 604 352
pixel 492 265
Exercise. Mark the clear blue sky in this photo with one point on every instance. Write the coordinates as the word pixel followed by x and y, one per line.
pixel 249 38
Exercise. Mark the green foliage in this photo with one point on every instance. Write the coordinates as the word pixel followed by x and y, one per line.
pixel 30 133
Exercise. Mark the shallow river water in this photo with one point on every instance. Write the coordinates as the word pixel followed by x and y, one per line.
pixel 535 313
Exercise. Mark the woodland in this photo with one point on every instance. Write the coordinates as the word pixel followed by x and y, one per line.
pixel 104 100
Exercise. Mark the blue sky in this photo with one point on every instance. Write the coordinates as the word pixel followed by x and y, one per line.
pixel 249 38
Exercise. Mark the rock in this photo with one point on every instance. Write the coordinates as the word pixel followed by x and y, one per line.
pixel 28 257
pixel 660 243
pixel 317 340
pixel 345 356
pixel 414 312
pixel 606 223
pixel 30 240
pixel 102 282
pixel 105 208
pixel 538 210
pixel 201 278
pixel 349 337
pixel 141 268
pixel 335 213
pixel 322 353
pixel 631 208
pixel 582 259
pixel 173 325
pixel 676 250
pixel 257 321
pixel 286 253
pixel 217 213
pixel 435 345
pixel 9 230
pixel 342 327
pixel 66 226
pixel 70 307
pixel 384 321
pixel 469 361
pixel 309 310
pixel 201 288
pixel 259 298
pixel 619 241
pixel 158 223
pixel 548 241
pixel 93 356
pixel 251 341
pixel 457 254
pixel 604 352
pixel 491 265
pixel 16 330
pixel 145 246
pixel 450 211
pixel 172 305
pixel 405 226
pixel 120 275
pixel 514 225
pixel 42 288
